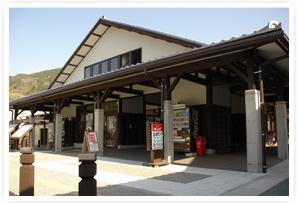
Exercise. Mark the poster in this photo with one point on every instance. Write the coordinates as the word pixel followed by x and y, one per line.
pixel 90 142
pixel 157 136
pixel 181 118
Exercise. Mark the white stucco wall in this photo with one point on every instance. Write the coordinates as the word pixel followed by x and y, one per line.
pixel 69 111
pixel 189 93
pixel 37 133
pixel 118 41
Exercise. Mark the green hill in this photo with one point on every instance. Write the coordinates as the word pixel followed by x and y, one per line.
pixel 23 85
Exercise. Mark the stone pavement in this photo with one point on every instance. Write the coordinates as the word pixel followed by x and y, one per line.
pixel 57 175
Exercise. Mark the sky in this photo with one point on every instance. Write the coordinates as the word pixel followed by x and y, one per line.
pixel 45 38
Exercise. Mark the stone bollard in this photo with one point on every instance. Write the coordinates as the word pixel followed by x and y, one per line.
pixel 27 172
pixel 87 170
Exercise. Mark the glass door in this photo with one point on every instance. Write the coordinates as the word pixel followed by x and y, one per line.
pixel 111 138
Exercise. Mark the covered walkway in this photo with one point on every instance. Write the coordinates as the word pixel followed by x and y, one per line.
pixel 233 161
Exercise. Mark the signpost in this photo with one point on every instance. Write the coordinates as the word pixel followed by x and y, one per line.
pixel 156 132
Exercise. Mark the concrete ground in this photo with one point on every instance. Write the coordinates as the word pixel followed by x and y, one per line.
pixel 118 174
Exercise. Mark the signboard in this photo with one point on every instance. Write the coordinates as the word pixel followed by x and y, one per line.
pixel 90 142
pixel 157 136
pixel 21 132
pixel 179 106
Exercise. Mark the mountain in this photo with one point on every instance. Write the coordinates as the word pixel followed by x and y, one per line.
pixel 23 85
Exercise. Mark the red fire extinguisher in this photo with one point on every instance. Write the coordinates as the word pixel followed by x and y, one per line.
pixel 201 145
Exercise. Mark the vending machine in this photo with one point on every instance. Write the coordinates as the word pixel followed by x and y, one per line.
pixel 183 138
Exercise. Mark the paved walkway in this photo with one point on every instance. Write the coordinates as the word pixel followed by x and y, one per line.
pixel 57 175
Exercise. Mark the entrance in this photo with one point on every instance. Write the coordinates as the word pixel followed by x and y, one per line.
pixel 111 132
pixel 44 137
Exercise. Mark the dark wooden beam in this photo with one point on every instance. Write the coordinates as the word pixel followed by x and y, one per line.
pixel 167 94
pixel 147 84
pixel 175 82
pixel 129 91
pixel 156 83
pixel 195 79
pixel 274 60
pixel 104 96
pixel 250 69
pixel 237 71
pixel 215 74
pixel 82 98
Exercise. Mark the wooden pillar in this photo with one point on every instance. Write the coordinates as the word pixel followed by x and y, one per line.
pixel 250 69
pixel 87 171
pixel 209 100
pixel 26 172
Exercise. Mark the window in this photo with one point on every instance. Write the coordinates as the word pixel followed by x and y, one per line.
pixel 122 60
pixel 88 72
pixel 114 63
pixel 104 67
pixel 96 69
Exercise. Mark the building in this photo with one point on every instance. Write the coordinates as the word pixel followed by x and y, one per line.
pixel 122 75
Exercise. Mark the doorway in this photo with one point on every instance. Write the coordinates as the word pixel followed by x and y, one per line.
pixel 110 129
pixel 44 137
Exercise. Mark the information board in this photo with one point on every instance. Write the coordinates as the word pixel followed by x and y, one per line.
pixel 90 142
pixel 157 136
pixel 21 132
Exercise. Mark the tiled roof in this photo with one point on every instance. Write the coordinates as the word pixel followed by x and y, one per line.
pixel 98 77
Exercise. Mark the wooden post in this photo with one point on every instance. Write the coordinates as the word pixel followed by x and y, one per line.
pixel 27 172
pixel 87 171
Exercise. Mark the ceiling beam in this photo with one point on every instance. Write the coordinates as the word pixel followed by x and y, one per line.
pixel 216 74
pixel 129 91
pixel 237 71
pixel 194 79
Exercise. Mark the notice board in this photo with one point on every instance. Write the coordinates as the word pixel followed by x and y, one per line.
pixel 90 143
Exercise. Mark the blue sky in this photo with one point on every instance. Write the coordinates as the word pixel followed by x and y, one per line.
pixel 45 38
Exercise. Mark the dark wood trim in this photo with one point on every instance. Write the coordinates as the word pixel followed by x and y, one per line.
pixel 274 60
pixel 166 86
pixel 194 78
pixel 237 71
pixel 250 69
pixel 80 55
pixel 130 91
pixel 151 34
pixel 216 74
pixel 175 82
pixel 96 35
pixel 87 45
pixel 104 96
pixel 156 83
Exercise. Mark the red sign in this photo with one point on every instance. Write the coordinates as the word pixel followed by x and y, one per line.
pixel 92 138
pixel 156 127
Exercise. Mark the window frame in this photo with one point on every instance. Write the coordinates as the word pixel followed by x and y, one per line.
pixel 109 60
